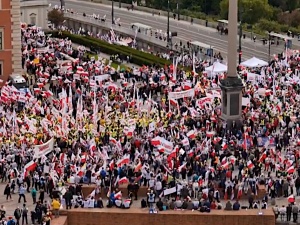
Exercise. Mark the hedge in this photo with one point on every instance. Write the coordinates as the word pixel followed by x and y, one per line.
pixel 137 57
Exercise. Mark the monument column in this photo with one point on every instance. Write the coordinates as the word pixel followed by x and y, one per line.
pixel 232 86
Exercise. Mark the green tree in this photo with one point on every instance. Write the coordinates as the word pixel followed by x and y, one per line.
pixel 56 17
pixel 292 5
pixel 250 11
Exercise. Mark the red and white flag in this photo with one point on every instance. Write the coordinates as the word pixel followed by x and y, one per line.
pixel 250 165
pixel 29 167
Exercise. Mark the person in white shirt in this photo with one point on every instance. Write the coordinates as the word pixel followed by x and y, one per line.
pixel 195 189
pixel 118 203
pixel 151 183
pixel 158 187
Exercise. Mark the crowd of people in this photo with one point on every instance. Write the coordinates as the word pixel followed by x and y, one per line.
pixel 86 122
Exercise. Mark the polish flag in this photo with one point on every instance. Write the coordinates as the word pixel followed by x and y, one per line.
pixel 112 165
pixel 156 141
pixel 29 167
pixel 224 145
pixel 48 94
pixel 250 165
pixel 173 102
pixel 190 153
pixel 123 180
pixel 63 158
pixel 232 159
pixel 290 170
pixel 217 140
pixel 79 68
pixel 83 158
pixel 187 86
pixel 191 134
pixel 137 179
pixel 289 163
pixel 225 166
pixel 212 169
pixel 173 154
pixel 291 199
pixel 224 160
pixel 112 140
pixel 129 131
pixel 82 170
pixel 161 148
pixel 40 85
pixel 118 195
pixel 92 145
pixel 210 134
pixel 138 167
pixel 181 167
pixel 124 160
pixel 263 157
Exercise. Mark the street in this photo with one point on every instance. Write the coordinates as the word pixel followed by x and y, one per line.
pixel 186 31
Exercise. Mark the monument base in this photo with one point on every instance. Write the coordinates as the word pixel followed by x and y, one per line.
pixel 232 100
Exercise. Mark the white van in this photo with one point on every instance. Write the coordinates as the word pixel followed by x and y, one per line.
pixel 19 82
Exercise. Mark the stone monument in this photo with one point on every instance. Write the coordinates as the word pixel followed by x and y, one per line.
pixel 232 86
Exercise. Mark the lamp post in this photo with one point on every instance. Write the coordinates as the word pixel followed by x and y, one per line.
pixel 178 15
pixel 112 12
pixel 168 25
pixel 269 53
pixel 120 4
pixel 240 38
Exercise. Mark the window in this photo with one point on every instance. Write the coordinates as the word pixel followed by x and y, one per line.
pixel 1 39
pixel 32 19
pixel 1 68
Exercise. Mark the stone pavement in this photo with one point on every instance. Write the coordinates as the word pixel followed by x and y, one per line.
pixel 11 205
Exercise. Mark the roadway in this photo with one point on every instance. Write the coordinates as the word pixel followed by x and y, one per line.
pixel 186 31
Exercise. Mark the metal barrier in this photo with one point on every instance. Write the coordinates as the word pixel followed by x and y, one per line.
pixel 89 19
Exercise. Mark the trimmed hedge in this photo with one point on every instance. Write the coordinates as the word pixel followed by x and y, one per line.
pixel 137 57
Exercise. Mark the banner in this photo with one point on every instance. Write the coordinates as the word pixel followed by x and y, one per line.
pixel 203 100
pixel 182 94
pixel 245 101
pixel 43 149
pixel 251 77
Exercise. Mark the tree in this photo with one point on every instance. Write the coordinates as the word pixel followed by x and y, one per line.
pixel 56 17
pixel 250 11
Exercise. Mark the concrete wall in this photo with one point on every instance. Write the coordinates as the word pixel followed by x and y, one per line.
pixel 137 216
pixel 96 26
pixel 35 9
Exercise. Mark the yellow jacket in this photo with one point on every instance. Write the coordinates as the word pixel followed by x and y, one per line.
pixel 55 204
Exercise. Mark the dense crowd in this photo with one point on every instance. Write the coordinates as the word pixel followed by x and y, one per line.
pixel 85 122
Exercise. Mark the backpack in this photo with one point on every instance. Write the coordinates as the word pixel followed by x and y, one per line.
pixel 25 211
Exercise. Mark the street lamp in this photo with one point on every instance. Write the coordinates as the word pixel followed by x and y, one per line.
pixel 240 38
pixel 168 25
pixel 269 32
pixel 112 12
pixel 178 15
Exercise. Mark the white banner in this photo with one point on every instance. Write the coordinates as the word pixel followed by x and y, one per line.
pixel 43 149
pixel 245 101
pixel 182 94
pixel 251 77
pixel 203 100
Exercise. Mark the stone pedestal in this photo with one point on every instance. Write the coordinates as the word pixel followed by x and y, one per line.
pixel 231 99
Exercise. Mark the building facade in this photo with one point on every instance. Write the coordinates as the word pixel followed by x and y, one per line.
pixel 10 38
pixel 35 12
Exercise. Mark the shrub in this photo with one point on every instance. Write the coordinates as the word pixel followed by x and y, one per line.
pixel 137 57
